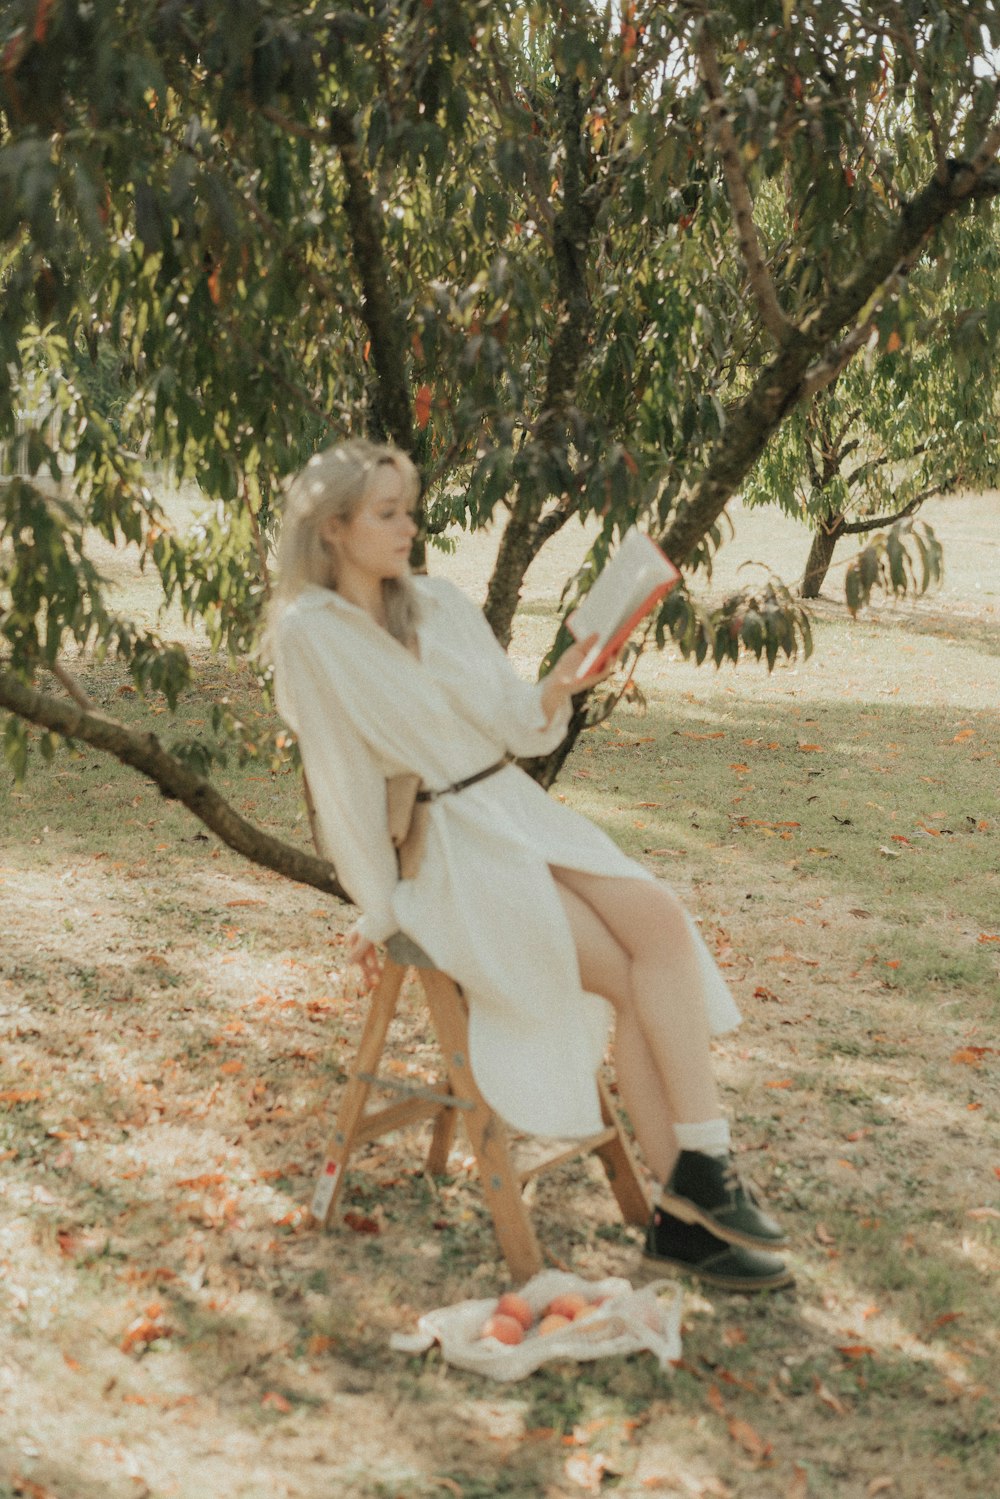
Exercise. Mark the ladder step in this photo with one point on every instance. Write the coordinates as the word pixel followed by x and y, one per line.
pixel 578 1148
pixel 414 1090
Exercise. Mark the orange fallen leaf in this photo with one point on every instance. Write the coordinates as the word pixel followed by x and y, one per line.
pixel 856 1350
pixel 781 1082
pixel 142 1331
pixel 750 1440
pixel 892 962
pixel 715 1400
pixel 690 734
pixel 20 1095
pixel 963 734
pixel 810 749
pixel 945 1318
pixel 988 937
pixel 209 1179
pixel 971 1056
pixel 740 769
pixel 249 901
pixel 275 1401
pixel 828 1397
pixel 231 1068
pixel 320 1342
pixel 799 1486
pixel 362 1224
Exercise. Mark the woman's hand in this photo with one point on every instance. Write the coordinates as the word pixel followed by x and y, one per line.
pixel 360 951
pixel 562 682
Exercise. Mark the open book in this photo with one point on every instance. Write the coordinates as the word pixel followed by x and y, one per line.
pixel 632 583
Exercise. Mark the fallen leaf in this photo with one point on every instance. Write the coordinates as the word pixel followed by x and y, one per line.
pixel 781 1082
pixel 715 1400
pixel 880 1486
pixel 856 1350
pixel 824 1235
pixel 362 1224
pixel 142 1331
pixel 799 1486
pixel 276 1402
pixel 971 1056
pixel 988 937
pixel 810 749
pixel 209 1179
pixel 740 769
pixel 828 1397
pixel 980 1213
pixel 689 734
pixel 231 1068
pixel 750 1440
pixel 963 734
pixel 20 1095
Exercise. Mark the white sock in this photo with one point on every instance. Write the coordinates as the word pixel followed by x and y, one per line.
pixel 710 1137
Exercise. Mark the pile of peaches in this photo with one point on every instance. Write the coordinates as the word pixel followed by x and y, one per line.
pixel 513 1319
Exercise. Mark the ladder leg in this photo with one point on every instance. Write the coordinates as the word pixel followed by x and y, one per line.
pixel 340 1145
pixel 442 1140
pixel 621 1166
pixel 501 1184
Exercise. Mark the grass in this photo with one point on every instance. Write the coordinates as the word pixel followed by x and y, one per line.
pixel 175 1025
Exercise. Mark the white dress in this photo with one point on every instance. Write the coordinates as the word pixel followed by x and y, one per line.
pixel 484 904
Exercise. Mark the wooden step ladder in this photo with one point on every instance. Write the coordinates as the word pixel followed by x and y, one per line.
pixel 457 1097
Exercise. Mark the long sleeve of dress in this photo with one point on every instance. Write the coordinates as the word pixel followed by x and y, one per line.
pixel 516 705
pixel 346 784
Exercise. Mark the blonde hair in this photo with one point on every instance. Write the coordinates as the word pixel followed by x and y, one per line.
pixel 335 483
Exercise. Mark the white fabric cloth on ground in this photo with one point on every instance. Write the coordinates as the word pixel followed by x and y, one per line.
pixel 484 905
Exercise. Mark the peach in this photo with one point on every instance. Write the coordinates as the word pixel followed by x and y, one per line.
pixel 513 1305
pixel 553 1322
pixel 569 1305
pixel 504 1329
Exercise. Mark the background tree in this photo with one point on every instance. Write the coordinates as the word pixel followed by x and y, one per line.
pixel 577 261
pixel 914 416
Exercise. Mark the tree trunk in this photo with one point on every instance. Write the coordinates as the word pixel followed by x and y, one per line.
pixel 824 543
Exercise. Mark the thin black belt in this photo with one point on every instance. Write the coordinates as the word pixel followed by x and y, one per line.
pixel 431 796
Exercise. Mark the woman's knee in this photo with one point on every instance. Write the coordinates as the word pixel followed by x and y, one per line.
pixel 659 919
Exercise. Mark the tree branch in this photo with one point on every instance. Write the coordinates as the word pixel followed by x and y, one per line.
pixel 781 384
pixel 876 522
pixel 379 314
pixel 739 193
pixel 145 753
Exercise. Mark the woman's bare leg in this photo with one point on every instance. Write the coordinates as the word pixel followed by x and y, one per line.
pixel 605 968
pixel 647 923
pixel 635 946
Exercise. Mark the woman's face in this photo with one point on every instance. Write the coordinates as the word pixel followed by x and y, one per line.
pixel 375 543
